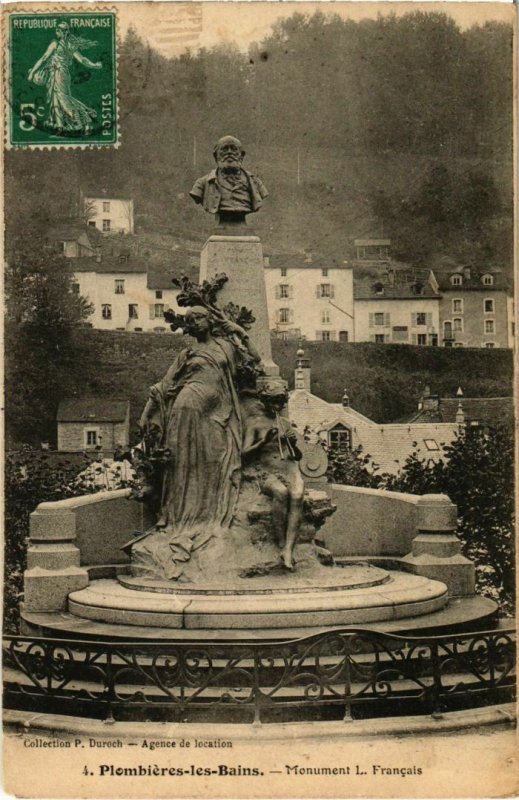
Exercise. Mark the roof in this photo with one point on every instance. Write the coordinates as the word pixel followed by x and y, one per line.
pixel 92 409
pixel 486 410
pixel 372 242
pixel 388 445
pixel 472 282
pixel 102 194
pixel 304 261
pixel 67 230
pixel 395 284
pixel 107 264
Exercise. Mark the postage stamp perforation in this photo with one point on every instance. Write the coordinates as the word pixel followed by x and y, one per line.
pixel 61 12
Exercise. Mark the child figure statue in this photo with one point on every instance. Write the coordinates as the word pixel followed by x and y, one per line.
pixel 270 443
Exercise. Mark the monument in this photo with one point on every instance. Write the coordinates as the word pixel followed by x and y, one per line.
pixel 231 502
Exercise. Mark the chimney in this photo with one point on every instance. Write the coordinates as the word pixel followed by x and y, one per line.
pixel 302 371
pixel 345 399
pixel 429 402
pixel 466 273
pixel 460 415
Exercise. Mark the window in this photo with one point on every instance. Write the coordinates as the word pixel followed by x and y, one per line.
pixel 326 336
pixel 284 315
pixel 159 330
pixel 91 438
pixel 447 329
pixel 488 306
pixel 75 288
pixel 91 224
pixel 339 437
pixel 490 345
pixel 119 286
pixel 488 280
pixel 324 272
pixel 106 311
pixel 421 338
pixel 158 294
pixel 378 288
pixel 421 318
pixel 284 290
pixel 106 206
pixel 433 339
pixel 457 306
pixel 400 333
pixel 133 311
pixel 106 225
pixel 379 318
pixel 325 290
pixel 283 272
pixel 159 309
pixel 343 336
pixel 431 444
pixel 456 280
pixel 489 326
pixel 380 338
pixel 457 324
pixel 325 316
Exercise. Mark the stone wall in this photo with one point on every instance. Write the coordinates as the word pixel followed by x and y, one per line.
pixel 71 435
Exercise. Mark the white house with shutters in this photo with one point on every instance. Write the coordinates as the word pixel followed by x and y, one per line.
pixel 399 306
pixel 124 295
pixel 309 298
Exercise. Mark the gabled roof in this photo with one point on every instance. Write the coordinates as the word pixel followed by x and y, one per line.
pixel 472 281
pixel 388 445
pixel 486 410
pixel 92 409
pixel 301 261
pixel 107 264
pixel 395 283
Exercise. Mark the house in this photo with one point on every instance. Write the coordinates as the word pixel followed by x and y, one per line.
pixel 387 445
pixel 126 296
pixel 72 239
pixel 108 213
pixel 461 409
pixel 309 297
pixel 91 423
pixel 398 305
pixel 475 308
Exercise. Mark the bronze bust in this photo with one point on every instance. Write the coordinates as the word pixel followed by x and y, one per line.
pixel 229 191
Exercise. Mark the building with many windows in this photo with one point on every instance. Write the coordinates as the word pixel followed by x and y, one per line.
pixel 396 306
pixel 475 308
pixel 309 298
pixel 125 296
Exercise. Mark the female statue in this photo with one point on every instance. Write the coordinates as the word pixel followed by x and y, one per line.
pixel 193 418
pixel 52 70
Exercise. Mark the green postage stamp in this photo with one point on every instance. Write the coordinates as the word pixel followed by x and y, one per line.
pixel 62 79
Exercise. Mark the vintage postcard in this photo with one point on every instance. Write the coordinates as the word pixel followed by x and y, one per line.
pixel 259 341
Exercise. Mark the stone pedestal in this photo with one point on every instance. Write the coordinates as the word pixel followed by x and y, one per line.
pixel 436 550
pixel 241 258
pixel 53 560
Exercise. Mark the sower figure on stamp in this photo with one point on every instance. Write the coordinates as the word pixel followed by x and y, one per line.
pixel 270 441
pixel 229 191
pixel 52 70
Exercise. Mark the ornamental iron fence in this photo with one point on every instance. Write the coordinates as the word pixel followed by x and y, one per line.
pixel 342 674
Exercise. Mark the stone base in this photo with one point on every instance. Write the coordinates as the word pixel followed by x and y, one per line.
pixel 241 259
pixel 456 572
pixel 401 596
pixel 48 590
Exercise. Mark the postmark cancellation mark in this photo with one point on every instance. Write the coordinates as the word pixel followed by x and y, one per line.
pixel 61 74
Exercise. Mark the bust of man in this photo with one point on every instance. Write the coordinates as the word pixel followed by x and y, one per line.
pixel 229 191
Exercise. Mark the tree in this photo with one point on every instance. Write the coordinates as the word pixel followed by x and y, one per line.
pixel 44 360
pixel 478 476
